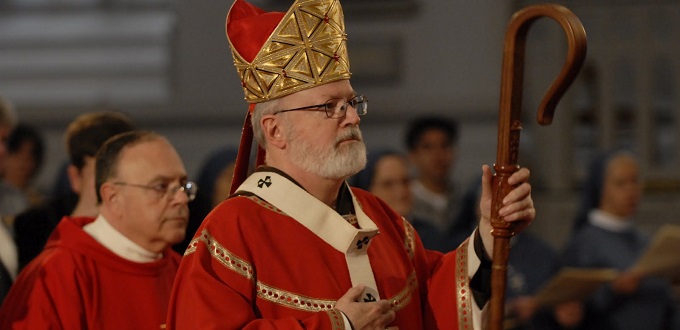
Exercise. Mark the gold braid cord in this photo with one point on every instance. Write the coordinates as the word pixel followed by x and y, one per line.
pixel 307 48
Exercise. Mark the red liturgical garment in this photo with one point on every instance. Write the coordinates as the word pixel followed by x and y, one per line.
pixel 76 283
pixel 275 257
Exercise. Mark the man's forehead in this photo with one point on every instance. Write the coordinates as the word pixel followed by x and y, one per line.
pixel 138 147
pixel 149 172
pixel 434 134
pixel 154 154
pixel 340 88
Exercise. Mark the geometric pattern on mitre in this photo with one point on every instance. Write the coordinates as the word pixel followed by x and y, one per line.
pixel 307 48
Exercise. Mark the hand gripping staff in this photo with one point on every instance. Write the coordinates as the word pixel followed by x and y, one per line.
pixel 509 125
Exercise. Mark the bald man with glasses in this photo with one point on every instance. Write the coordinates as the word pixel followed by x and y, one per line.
pixel 115 270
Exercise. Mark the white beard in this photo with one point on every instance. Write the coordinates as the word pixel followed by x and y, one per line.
pixel 337 162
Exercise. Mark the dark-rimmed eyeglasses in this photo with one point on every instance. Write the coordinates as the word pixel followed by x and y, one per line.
pixel 336 107
pixel 164 190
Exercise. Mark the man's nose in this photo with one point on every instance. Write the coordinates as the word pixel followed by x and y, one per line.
pixel 351 116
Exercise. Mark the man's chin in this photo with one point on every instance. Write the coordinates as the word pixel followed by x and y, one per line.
pixel 178 223
pixel 176 237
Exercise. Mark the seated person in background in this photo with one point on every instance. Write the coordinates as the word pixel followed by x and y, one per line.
pixel 605 237
pixel 24 159
pixel 83 138
pixel 114 271
pixel 386 176
pixel 214 178
pixel 431 143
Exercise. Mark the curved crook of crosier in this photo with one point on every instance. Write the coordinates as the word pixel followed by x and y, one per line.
pixel 510 126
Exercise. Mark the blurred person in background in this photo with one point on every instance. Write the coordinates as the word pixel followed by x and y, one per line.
pixel 8 251
pixel 83 137
pixel 24 160
pixel 531 265
pixel 605 236
pixel 431 142
pixel 386 175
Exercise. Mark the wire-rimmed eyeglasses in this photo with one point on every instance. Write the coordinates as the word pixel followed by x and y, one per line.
pixel 336 107
pixel 165 190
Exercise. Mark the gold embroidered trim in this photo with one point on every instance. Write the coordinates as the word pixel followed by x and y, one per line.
pixel 221 254
pixel 286 298
pixel 265 204
pixel 463 293
pixel 409 240
pixel 191 248
pixel 308 304
pixel 401 299
pixel 337 322
pixel 293 300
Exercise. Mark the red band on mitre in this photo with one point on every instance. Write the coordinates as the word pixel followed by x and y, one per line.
pixel 249 27
pixel 243 156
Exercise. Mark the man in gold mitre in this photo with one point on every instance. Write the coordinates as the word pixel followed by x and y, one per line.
pixel 295 247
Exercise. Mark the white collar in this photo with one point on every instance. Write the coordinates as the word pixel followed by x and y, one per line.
pixel 8 251
pixel 608 221
pixel 437 200
pixel 102 231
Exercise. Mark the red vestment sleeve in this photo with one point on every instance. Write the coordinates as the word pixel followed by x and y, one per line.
pixel 444 284
pixel 450 300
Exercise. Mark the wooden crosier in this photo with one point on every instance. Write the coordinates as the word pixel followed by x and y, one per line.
pixel 509 125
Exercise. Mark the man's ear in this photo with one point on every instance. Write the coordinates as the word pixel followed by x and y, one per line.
pixel 274 131
pixel 109 193
pixel 74 178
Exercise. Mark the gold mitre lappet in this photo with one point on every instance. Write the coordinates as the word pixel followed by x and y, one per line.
pixel 277 54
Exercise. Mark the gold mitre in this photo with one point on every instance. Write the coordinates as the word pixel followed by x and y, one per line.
pixel 277 54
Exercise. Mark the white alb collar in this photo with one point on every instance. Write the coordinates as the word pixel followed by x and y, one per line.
pixel 102 231
pixel 438 201
pixel 608 221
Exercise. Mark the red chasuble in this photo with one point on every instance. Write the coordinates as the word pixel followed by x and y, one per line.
pixel 275 257
pixel 76 283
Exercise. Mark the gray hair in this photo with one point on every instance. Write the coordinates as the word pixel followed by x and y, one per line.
pixel 261 110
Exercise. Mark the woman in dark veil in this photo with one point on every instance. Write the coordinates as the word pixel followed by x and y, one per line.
pixel 605 236
pixel 591 192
